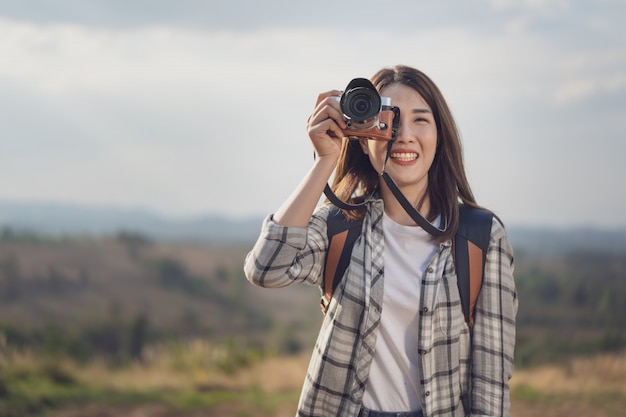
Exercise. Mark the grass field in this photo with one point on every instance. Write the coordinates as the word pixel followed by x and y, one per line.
pixel 137 317
pixel 188 381
pixel 592 387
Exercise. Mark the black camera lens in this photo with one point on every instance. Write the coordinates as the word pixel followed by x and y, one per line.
pixel 360 104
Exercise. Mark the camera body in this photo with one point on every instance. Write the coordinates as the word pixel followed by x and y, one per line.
pixel 367 114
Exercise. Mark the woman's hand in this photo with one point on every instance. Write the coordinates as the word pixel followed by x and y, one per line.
pixel 325 125
pixel 325 130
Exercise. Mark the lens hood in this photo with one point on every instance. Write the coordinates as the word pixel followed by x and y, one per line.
pixel 360 101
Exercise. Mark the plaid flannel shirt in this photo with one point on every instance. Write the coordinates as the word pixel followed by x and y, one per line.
pixel 456 369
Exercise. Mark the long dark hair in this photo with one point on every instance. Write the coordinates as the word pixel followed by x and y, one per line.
pixel 355 178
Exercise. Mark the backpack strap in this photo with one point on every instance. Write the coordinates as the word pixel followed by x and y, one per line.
pixel 342 234
pixel 470 251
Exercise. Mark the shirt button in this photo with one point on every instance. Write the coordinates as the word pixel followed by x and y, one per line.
pixel 423 352
pixel 427 393
pixel 425 309
pixel 430 269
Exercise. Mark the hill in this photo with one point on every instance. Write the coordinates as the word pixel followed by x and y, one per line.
pixel 56 220
pixel 553 241
pixel 92 292
pixel 96 221
pixel 110 289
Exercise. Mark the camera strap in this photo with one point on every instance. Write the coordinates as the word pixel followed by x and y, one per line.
pixel 404 202
pixel 395 190
pixel 332 197
pixel 408 207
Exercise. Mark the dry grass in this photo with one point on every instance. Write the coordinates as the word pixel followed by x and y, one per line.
pixel 590 386
pixel 275 374
pixel 175 380
pixel 605 372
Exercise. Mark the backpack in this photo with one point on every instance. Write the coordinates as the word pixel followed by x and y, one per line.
pixel 469 252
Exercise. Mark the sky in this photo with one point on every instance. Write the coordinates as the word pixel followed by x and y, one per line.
pixel 191 107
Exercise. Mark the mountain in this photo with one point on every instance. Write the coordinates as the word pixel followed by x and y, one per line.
pixel 51 219
pixel 551 241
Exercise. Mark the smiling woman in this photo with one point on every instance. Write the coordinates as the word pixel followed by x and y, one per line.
pixel 394 339
pixel 412 154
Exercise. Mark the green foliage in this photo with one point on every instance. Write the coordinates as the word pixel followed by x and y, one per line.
pixel 607 403
pixel 115 302
pixel 93 290
pixel 134 239
pixel 527 394
pixel 570 305
pixel 222 273
pixel 237 356
pixel 289 341
pixel 172 274
pixel 253 399
pixel 10 278
pixel 112 339
pixel 8 234
pixel 31 390
pixel 134 242
pixel 40 385
pixel 138 336
pixel 36 390
pixel 573 304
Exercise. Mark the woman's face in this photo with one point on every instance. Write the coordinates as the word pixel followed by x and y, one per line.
pixel 413 151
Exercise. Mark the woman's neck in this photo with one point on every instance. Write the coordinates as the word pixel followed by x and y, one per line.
pixel 418 198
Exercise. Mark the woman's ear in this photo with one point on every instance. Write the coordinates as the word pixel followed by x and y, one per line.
pixel 364 148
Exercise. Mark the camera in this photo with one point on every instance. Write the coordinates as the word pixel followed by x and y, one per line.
pixel 367 114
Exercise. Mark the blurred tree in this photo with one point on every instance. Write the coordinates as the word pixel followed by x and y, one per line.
pixel 138 336
pixel 173 274
pixel 11 278
pixel 55 279
pixel 134 242
pixel 221 273
pixel 83 277
pixel 189 321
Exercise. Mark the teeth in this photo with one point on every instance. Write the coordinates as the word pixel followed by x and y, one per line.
pixel 404 156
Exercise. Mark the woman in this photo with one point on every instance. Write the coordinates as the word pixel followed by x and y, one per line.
pixel 394 341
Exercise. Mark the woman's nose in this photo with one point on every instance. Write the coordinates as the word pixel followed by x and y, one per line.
pixel 404 133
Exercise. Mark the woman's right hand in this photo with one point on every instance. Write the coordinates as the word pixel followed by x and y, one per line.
pixel 325 125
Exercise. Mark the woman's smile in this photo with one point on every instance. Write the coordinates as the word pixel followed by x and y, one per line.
pixel 403 157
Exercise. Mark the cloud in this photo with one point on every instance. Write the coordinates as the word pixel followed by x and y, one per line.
pixel 538 6
pixel 190 118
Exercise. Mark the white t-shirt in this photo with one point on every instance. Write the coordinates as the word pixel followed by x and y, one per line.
pixel 394 377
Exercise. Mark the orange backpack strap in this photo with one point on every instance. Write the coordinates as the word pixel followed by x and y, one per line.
pixel 470 251
pixel 336 245
pixel 342 234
